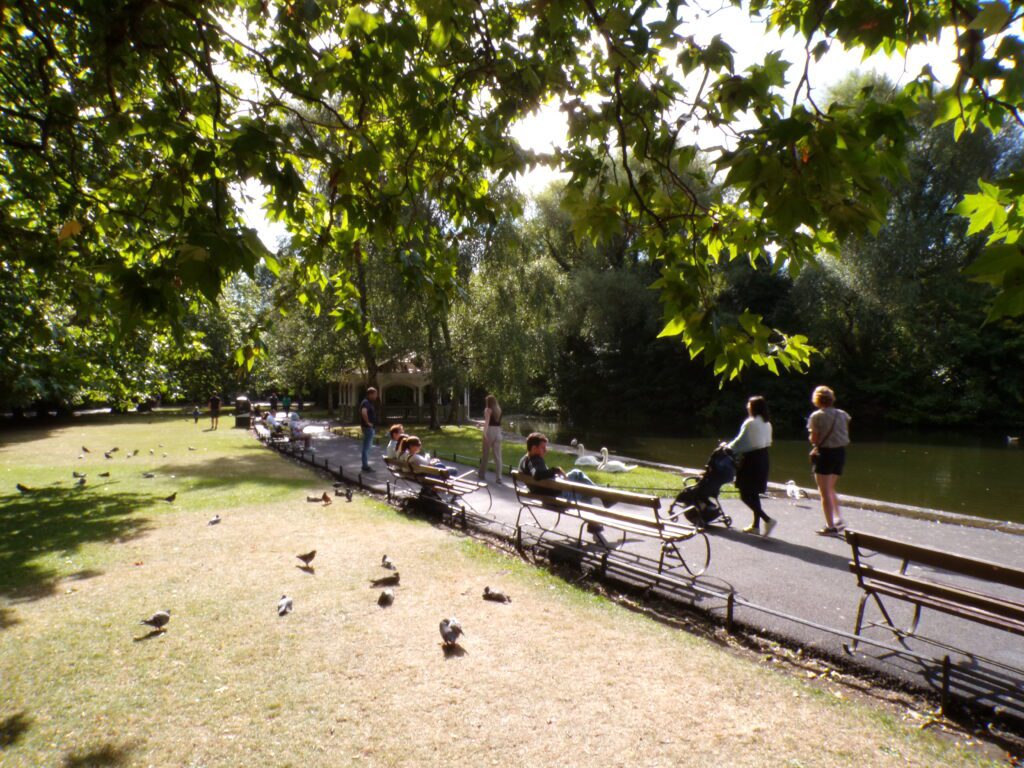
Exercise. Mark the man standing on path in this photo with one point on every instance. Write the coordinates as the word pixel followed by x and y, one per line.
pixel 214 410
pixel 367 420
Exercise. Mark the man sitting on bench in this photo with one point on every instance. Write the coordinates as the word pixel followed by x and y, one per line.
pixel 533 464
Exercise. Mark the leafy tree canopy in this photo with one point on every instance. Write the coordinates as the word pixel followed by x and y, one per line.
pixel 126 126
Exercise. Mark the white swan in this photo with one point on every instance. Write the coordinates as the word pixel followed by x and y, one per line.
pixel 613 466
pixel 582 460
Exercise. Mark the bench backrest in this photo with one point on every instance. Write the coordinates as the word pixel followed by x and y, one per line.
pixel 410 472
pixel 947 561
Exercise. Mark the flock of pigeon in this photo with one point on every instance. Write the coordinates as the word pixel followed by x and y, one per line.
pixel 450 628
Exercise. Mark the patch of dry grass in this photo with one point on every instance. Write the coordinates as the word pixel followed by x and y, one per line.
pixel 556 677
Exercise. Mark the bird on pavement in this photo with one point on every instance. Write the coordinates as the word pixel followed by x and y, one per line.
pixel 78 474
pixel 284 605
pixel 308 557
pixel 387 597
pixel 104 474
pixel 215 520
pixel 793 492
pixel 158 620
pixel 348 494
pixel 451 629
pixel 495 596
pixel 170 499
pixel 387 581
pixel 385 562
pixel 24 488
pixel 326 499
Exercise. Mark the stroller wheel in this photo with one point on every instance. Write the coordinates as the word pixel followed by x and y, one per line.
pixel 727 521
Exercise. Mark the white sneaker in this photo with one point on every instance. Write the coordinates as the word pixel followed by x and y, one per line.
pixel 769 527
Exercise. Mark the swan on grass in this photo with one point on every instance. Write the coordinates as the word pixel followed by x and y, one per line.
pixel 614 465
pixel 582 460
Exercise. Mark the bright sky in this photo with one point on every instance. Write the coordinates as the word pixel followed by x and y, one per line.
pixel 751 42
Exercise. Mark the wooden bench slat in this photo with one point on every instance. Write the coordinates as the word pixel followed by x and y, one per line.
pixel 875 579
pixel 966 602
pixel 966 566
pixel 954 608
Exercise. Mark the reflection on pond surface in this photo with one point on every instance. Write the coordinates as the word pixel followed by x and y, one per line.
pixel 971 476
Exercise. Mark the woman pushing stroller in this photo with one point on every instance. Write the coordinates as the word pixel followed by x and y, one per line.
pixel 751 446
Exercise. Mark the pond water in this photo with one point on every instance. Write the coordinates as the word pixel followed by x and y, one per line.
pixel 968 475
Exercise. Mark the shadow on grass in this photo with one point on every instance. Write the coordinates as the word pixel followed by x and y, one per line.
pixel 251 464
pixel 100 757
pixel 13 728
pixel 54 521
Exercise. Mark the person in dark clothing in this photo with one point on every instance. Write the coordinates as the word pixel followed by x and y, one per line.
pixel 214 410
pixel 751 446
pixel 533 464
pixel 368 422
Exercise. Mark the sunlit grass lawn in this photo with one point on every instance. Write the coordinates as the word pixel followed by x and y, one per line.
pixel 558 677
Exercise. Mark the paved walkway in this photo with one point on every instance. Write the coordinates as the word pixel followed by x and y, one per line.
pixel 798 574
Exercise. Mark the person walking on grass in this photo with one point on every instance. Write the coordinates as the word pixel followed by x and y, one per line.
pixel 828 431
pixel 751 447
pixel 214 410
pixel 491 439
pixel 368 421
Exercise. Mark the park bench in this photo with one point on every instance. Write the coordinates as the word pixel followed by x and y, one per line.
pixel 646 519
pixel 929 578
pixel 443 485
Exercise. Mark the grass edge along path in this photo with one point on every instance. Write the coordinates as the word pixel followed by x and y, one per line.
pixel 558 676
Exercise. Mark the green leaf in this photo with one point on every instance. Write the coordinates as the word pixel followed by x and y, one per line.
pixel 674 327
pixel 991 17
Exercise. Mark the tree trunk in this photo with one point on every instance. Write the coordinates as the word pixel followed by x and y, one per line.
pixel 366 349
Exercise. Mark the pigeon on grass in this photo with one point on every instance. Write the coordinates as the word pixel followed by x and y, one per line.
pixel 78 474
pixel 85 450
pixel 284 605
pixel 451 630
pixel 386 562
pixel 158 620
pixel 81 482
pixel 24 488
pixel 387 581
pixel 307 558
pixel 387 598
pixel 149 475
pixel 108 455
pixel 215 520
pixel 104 474
pixel 495 596
pixel 170 499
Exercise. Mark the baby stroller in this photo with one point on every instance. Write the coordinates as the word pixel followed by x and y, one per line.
pixel 698 501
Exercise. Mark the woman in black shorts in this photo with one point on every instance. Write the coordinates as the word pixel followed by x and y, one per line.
pixel 829 432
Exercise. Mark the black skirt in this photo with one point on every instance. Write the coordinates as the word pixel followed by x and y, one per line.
pixel 753 472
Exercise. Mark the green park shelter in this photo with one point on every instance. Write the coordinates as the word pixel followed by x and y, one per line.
pixel 406 393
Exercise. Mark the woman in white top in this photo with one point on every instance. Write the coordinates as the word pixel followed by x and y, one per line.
pixel 751 445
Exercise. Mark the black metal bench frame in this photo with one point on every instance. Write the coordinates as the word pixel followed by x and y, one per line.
pixel 954 599
pixel 536 495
